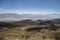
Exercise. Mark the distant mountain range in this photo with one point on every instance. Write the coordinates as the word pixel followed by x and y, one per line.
pixel 14 15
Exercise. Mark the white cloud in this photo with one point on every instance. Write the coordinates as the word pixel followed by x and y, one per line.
pixel 28 11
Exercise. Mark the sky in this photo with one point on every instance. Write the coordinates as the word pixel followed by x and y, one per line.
pixel 30 6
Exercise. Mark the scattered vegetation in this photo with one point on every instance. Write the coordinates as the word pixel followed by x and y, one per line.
pixel 30 30
pixel 33 29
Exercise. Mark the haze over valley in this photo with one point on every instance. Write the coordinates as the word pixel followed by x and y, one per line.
pixel 29 19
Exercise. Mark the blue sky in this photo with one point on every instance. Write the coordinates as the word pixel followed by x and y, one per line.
pixel 30 6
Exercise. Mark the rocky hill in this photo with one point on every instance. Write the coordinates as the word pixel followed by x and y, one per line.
pixel 29 30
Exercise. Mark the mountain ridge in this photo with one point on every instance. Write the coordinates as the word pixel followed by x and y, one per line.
pixel 15 15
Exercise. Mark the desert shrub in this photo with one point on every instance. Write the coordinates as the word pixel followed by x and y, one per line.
pixel 6 24
pixel 28 21
pixel 33 29
pixel 54 28
pixel 47 23
pixel 57 36
pixel 38 21
pixel 1 38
